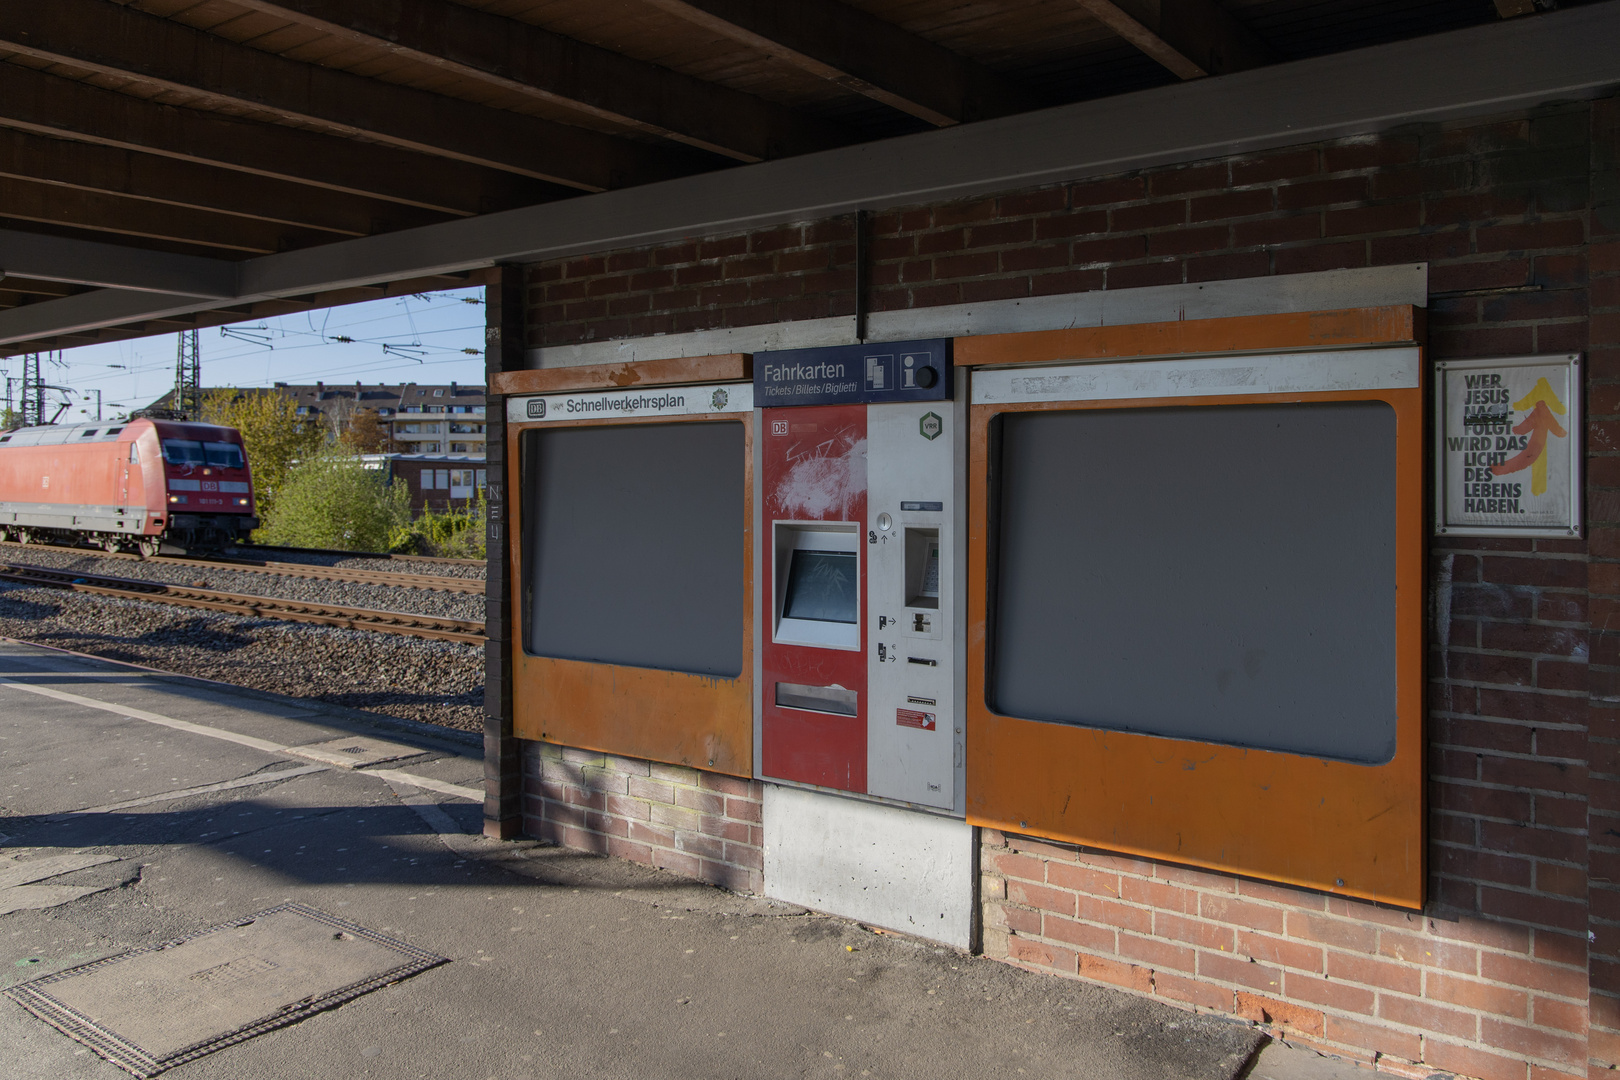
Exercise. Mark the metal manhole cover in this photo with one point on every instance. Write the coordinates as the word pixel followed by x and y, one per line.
pixel 154 1008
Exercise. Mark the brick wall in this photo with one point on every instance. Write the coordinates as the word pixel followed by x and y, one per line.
pixel 700 824
pixel 1519 221
pixel 1603 536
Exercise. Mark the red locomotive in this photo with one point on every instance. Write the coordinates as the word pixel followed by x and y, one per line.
pixel 146 485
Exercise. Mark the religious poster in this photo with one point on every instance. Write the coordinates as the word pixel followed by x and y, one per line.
pixel 1508 457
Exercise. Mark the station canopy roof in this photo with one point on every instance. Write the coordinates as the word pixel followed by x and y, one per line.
pixel 221 131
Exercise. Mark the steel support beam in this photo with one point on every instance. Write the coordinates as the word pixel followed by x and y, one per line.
pixel 67 109
pixel 86 262
pixel 528 60
pixel 114 171
pixel 1193 38
pixel 1481 71
pixel 862 54
pixel 114 40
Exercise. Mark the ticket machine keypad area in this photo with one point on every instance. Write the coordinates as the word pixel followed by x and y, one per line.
pixel 861 572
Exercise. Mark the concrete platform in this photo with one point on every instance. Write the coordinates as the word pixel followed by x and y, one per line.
pixel 187 805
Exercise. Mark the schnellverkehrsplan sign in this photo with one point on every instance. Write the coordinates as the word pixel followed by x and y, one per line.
pixel 1507 461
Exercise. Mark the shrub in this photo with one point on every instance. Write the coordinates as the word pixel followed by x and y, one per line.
pixel 332 500
pixel 457 533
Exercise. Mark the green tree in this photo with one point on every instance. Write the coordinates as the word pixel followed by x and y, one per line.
pixel 273 433
pixel 332 500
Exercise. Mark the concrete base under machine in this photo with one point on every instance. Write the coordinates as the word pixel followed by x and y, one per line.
pixel 885 865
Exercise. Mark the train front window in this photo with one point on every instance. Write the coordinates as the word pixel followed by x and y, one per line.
pixel 183 452
pixel 224 455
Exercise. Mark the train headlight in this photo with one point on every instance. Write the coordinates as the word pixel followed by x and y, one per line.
pixel 241 502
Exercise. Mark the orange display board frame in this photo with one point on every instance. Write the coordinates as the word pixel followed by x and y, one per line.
pixel 1344 828
pixel 673 717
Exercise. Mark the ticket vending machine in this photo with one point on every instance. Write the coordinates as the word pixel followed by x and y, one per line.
pixel 861 585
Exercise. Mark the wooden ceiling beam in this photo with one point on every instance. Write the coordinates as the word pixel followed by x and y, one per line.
pixel 68 109
pixel 1192 38
pixel 26 200
pixel 115 171
pixel 113 40
pixel 862 54
pixel 549 67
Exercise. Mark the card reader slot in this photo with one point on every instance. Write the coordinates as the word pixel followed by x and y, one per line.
pixel 824 699
pixel 922 660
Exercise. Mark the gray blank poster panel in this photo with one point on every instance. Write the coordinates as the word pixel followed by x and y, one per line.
pixel 635 545
pixel 1220 574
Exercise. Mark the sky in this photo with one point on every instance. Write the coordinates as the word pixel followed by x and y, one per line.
pixel 421 338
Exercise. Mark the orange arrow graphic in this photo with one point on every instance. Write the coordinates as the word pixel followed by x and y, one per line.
pixel 1534 456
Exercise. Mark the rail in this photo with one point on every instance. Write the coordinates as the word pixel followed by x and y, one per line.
pixel 388 622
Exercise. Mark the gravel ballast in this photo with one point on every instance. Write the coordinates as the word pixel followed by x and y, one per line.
pixel 307 590
pixel 437 682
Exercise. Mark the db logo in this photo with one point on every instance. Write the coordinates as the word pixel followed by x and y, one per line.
pixel 779 427
pixel 537 409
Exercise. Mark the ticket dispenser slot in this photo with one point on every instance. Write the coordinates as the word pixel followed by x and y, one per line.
pixel 862 505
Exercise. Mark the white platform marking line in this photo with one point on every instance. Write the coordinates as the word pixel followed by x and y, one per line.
pixel 150 717
pixel 402 777
pixel 427 783
pixel 185 793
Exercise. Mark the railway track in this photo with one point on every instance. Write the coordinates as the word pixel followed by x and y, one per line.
pixel 388 622
pixel 468 586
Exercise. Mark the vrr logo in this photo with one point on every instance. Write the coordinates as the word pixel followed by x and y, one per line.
pixel 930 426
pixel 779 427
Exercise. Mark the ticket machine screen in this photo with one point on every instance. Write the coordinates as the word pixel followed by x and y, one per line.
pixel 821 586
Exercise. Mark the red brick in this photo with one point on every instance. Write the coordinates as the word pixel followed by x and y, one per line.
pixel 1530 1042
pixel 1560 948
pixel 1101 192
pixel 1074 281
pixel 1384 974
pixel 1083 935
pixel 1340 934
pixel 1231 204
pixel 1477 996
pixel 1388 217
pixel 1282 894
pixel 1471 1062
pixel 1244 264
pixel 1158 894
pixel 1160 954
pixel 1545 234
pixel 1188 241
pixel 1256 976
pixel 1197 879
pixel 963 213
pixel 1075 223
pixel 1241 913
pixel 743 809
pixel 1034 202
pixel 1191 992
pixel 976 292
pixel 1274 950
pixel 1566 1016
pixel 1083 879
pixel 1022 921
pixel 1516 971
pixel 1141 275
pixel 1129 976
pixel 1365 152
pixel 1264 1010
pixel 1180 180
pixel 1041 955
pixel 1374 1037
pixel 1109 913
pixel 1300 260
pixel 1315 193
pixel 1148 216
pixel 1334 995
pixel 774 239
pixel 1019 866
pixel 947 240
pixel 1038 896
pixel 1001 234
pixel 1194 932
pixel 1287 165
pixel 1534 773
pixel 1277 230
pixel 1035 258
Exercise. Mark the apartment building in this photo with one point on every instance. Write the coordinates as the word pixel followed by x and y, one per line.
pixel 443 418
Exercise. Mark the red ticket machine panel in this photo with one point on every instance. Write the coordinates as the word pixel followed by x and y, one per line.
pixel 813 574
